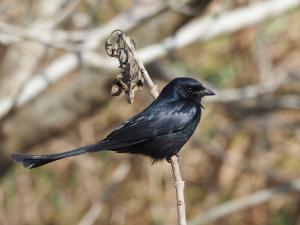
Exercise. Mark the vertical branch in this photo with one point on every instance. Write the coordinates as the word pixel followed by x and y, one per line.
pixel 179 183
pixel 151 85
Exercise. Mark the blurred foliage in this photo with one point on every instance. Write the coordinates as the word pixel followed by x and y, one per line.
pixel 264 141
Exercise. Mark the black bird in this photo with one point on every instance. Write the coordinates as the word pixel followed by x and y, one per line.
pixel 159 131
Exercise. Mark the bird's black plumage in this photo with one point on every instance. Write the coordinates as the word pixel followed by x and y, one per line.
pixel 159 131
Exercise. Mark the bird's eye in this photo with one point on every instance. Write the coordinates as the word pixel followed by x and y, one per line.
pixel 189 90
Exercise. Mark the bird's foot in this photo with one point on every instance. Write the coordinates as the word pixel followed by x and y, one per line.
pixel 178 156
pixel 168 158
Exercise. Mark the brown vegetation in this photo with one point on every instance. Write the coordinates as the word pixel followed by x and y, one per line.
pixel 55 82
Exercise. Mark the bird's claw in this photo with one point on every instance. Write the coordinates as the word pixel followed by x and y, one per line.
pixel 168 158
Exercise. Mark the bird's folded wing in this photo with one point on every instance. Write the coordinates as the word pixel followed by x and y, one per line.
pixel 154 121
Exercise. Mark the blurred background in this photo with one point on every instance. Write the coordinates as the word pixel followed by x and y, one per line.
pixel 242 166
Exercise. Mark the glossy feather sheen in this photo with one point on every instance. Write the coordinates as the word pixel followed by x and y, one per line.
pixel 159 131
pixel 155 121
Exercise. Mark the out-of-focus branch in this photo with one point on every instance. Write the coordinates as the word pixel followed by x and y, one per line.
pixel 62 108
pixel 70 61
pixel 182 7
pixel 208 27
pixel 10 34
pixel 242 203
pixel 63 14
pixel 262 91
pixel 56 39
pixel 94 212
pixel 90 38
pixel 252 91
pixel 41 51
pixel 42 32
pixel 285 101
pixel 200 29
pixel 232 160
pixel 264 61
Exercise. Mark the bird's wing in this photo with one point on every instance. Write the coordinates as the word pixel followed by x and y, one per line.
pixel 154 121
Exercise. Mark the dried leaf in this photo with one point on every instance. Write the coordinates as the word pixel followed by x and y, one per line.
pixel 130 80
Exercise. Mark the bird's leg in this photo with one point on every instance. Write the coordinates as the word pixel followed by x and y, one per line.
pixel 168 158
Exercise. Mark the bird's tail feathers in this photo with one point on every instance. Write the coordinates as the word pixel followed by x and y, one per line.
pixel 32 161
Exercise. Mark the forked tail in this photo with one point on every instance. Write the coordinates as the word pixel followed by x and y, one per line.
pixel 32 161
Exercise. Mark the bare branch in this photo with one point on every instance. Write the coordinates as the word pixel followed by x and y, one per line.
pixel 179 183
pixel 151 85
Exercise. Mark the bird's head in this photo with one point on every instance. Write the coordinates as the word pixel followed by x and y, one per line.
pixel 186 89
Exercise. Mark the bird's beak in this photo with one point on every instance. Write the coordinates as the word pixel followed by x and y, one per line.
pixel 205 92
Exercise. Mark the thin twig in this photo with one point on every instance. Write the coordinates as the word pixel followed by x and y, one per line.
pixel 242 203
pixel 179 183
pixel 151 85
